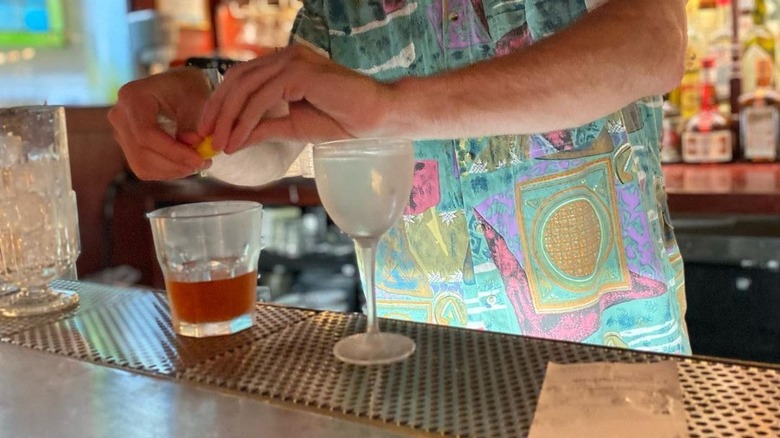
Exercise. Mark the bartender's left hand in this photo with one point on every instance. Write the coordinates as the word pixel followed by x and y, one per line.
pixel 321 99
pixel 152 153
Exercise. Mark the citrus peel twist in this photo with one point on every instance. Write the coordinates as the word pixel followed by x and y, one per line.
pixel 205 149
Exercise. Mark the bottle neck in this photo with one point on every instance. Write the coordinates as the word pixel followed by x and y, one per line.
pixel 745 23
pixel 724 16
pixel 759 13
pixel 707 90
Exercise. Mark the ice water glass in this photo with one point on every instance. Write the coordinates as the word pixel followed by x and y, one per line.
pixel 39 236
pixel 208 253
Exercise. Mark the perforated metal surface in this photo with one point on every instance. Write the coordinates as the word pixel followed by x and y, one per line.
pixel 442 390
pixel 132 329
pixel 458 383
pixel 88 300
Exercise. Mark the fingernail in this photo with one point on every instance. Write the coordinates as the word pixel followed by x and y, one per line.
pixel 228 149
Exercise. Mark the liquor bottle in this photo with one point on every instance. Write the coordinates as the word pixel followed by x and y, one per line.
pixel 745 19
pixel 192 19
pixel 758 45
pixel 707 137
pixel 689 85
pixel 708 18
pixel 670 139
pixel 720 49
pixel 760 118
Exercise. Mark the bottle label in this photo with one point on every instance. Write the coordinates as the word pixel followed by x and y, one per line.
pixel 754 59
pixel 670 144
pixel 745 20
pixel 722 55
pixel 760 130
pixel 689 101
pixel 707 147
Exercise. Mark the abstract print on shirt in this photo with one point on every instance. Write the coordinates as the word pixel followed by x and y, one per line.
pixel 560 235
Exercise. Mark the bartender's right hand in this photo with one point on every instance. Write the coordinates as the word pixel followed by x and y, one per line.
pixel 178 95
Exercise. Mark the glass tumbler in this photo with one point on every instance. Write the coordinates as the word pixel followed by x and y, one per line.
pixel 208 253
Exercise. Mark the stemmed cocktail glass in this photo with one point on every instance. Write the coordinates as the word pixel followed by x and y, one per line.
pixel 364 185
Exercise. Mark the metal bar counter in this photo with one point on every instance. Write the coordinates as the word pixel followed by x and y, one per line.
pixel 114 367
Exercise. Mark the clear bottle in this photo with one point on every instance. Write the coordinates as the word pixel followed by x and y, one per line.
pixel 760 118
pixel 689 85
pixel 720 49
pixel 758 45
pixel 707 20
pixel 745 19
pixel 707 137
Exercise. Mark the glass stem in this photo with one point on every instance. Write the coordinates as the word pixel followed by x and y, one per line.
pixel 366 248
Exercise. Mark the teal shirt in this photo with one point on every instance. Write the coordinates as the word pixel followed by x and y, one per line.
pixel 560 235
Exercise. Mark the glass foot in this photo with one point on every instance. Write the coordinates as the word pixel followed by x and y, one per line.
pixel 374 348
pixel 7 289
pixel 28 303
pixel 207 329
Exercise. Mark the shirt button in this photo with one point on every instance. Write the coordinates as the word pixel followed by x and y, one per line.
pixel 480 228
pixel 469 156
pixel 454 16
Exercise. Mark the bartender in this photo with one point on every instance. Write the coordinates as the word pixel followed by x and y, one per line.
pixel 538 205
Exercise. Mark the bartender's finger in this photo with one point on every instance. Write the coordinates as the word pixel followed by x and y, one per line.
pixel 159 141
pixel 151 165
pixel 275 88
pixel 304 123
pixel 149 135
pixel 220 112
pixel 255 109
pixel 172 161
pixel 190 138
pixel 236 78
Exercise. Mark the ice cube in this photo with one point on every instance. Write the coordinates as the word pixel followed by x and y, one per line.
pixel 40 248
pixel 10 150
pixel 37 176
pixel 34 212
pixel 21 178
pixel 43 153
pixel 10 240
pixel 6 183
pixel 8 214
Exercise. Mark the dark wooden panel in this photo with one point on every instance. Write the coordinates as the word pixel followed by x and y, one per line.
pixel 141 4
pixel 95 160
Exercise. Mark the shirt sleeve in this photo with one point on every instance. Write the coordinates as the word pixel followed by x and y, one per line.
pixel 311 28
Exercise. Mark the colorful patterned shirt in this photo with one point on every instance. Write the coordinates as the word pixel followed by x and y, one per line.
pixel 562 235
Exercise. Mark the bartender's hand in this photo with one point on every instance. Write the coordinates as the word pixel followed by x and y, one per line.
pixel 178 95
pixel 326 101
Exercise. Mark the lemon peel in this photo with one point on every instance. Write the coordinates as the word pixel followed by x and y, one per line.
pixel 205 149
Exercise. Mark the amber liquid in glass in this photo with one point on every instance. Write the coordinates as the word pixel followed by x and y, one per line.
pixel 212 301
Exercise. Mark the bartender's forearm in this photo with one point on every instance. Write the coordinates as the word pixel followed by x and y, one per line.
pixel 622 51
